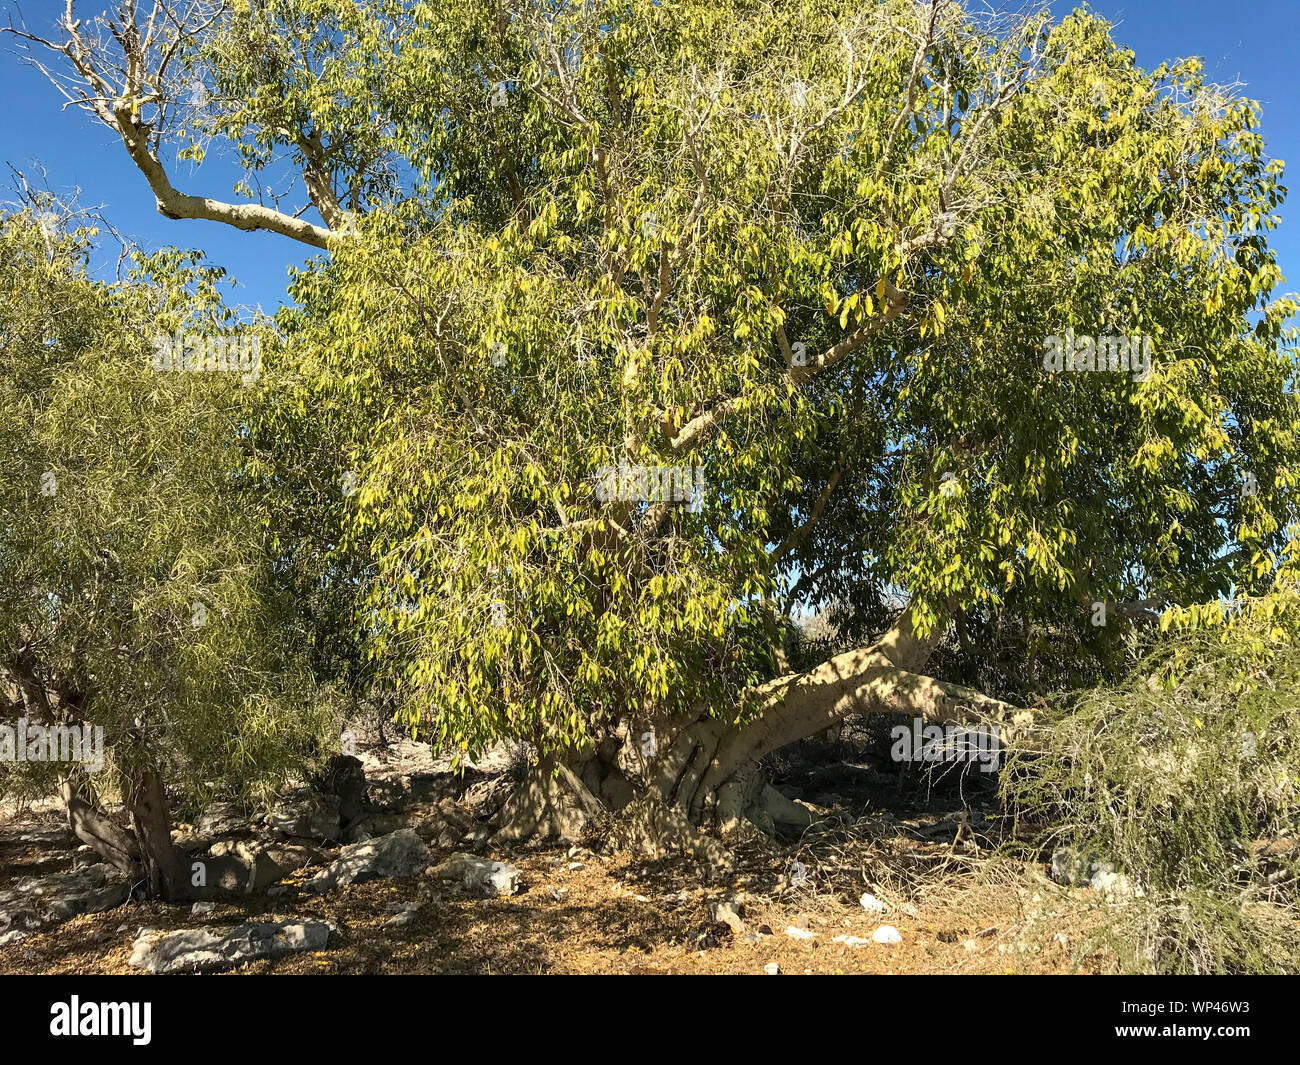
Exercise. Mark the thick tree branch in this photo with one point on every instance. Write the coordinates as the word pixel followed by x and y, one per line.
pixel 698 428
pixel 117 91
pixel 880 678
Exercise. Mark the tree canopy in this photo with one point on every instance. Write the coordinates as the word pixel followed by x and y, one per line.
pixel 815 253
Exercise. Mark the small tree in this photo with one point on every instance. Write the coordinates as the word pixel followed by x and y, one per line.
pixel 1187 779
pixel 136 587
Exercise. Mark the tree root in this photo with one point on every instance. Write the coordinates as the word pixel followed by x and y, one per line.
pixel 551 803
pixel 707 772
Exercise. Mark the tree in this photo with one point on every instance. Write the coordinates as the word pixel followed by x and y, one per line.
pixel 137 588
pixel 812 262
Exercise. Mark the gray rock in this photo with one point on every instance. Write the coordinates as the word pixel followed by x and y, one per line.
pixel 457 817
pixel 442 825
pixel 1070 868
pixel 549 806
pixel 1082 870
pixel 48 837
pixel 211 875
pixel 259 863
pixel 480 876
pixel 221 819
pixel 204 949
pixel 496 759
pixel 1107 881
pixel 400 853
pixel 345 778
pixel 488 796
pixel 18 918
pixel 56 898
pixel 304 812
pixel 404 913
pixel 241 868
pixel 886 933
pixel 726 913
pixel 375 824
pixel 12 937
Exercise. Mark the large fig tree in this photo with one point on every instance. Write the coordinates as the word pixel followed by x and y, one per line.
pixel 641 325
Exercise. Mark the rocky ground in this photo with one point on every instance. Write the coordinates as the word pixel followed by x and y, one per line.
pixel 389 866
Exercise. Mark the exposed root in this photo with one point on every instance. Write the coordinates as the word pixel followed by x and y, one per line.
pixel 551 803
pixel 705 771
pixel 115 844
pixel 655 829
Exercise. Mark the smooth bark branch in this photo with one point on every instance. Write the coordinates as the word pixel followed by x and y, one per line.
pixel 913 83
pixel 319 179
pixel 796 535
pixel 172 203
pixel 116 90
pixel 880 678
pixel 698 428
pixel 1135 610
pixel 895 302
pixel 826 695
pixel 668 259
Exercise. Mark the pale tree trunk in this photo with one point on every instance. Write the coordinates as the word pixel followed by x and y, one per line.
pixel 115 89
pixel 705 772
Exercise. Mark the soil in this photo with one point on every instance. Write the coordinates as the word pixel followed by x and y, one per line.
pixel 931 855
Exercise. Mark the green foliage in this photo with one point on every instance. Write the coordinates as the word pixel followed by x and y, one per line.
pixel 137 588
pixel 1180 778
pixel 623 218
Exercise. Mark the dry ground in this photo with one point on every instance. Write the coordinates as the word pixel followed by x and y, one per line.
pixel 958 910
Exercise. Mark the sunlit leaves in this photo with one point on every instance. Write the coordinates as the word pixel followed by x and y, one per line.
pixel 655 226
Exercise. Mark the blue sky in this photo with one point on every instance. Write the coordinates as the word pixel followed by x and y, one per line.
pixel 1250 40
